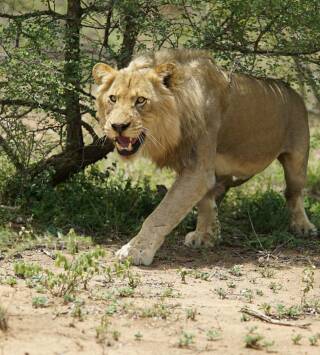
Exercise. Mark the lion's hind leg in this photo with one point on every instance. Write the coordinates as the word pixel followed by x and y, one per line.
pixel 208 231
pixel 295 170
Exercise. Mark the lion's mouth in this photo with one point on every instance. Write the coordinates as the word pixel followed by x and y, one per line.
pixel 128 146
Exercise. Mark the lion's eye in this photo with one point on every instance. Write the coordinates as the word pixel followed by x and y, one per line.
pixel 113 98
pixel 140 100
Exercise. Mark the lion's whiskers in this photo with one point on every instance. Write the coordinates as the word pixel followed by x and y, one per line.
pixel 153 139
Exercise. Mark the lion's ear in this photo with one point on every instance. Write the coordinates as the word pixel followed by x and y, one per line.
pixel 102 72
pixel 166 72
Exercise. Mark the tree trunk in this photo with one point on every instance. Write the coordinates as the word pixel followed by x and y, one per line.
pixel 72 76
pixel 130 35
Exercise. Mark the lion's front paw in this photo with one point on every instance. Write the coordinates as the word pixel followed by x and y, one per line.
pixel 304 228
pixel 198 239
pixel 138 253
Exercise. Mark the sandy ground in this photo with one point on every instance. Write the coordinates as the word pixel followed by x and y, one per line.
pixel 53 329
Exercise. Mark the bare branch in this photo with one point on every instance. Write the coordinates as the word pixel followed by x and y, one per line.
pixel 265 52
pixel 262 33
pixel 105 43
pixel 25 16
pixel 85 109
pixel 91 131
pixel 34 105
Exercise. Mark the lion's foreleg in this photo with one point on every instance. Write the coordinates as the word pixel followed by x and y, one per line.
pixel 186 192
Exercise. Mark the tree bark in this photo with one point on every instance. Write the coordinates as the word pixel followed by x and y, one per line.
pixel 130 36
pixel 72 76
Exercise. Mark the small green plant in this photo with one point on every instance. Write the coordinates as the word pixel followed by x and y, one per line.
pixel 31 283
pixel 107 296
pixel 40 288
pixel 308 282
pixel 259 292
pixel 39 302
pixel 102 330
pixel 138 336
pixel 275 287
pixel 254 340
pixel 202 275
pixel 221 292
pixel 236 270
pixel 266 272
pixel 68 298
pixel 213 335
pixel 247 294
pixel 77 311
pixel 112 309
pixel 313 339
pixel 10 280
pixel 77 272
pixel 24 270
pixel 266 308
pixel 125 291
pixel 191 313
pixel 292 312
pixel 122 270
pixel 186 339
pixel 3 319
pixel 231 284
pixel 183 274
pixel 296 338
pixel 115 335
pixel 168 293
pixel 311 306
pixel 158 310
pixel 72 242
pixel 245 317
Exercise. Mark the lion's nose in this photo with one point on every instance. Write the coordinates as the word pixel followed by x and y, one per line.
pixel 119 128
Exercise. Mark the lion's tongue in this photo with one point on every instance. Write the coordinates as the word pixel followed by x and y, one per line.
pixel 123 141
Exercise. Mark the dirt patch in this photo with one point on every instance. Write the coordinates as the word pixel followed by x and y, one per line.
pixel 187 302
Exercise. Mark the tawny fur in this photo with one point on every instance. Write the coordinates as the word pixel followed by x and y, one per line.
pixel 215 130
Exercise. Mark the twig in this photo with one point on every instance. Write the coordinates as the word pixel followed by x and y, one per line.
pixel 48 253
pixel 32 104
pixel 268 319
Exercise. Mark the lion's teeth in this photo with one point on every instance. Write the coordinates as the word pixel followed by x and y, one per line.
pixel 120 147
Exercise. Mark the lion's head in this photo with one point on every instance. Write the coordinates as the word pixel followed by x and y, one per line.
pixel 159 104
pixel 137 109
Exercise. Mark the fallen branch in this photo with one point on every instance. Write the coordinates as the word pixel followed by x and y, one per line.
pixel 48 253
pixel 264 317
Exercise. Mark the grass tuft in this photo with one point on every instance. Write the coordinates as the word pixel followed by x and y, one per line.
pixel 3 319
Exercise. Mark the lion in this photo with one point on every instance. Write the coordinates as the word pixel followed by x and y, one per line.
pixel 178 108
